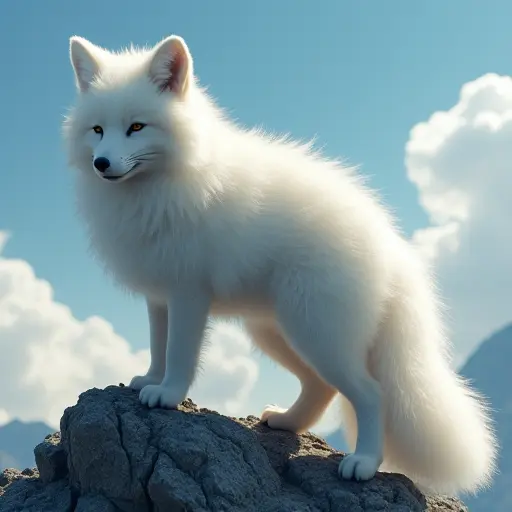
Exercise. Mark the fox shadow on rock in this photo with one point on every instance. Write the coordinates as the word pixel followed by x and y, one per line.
pixel 113 454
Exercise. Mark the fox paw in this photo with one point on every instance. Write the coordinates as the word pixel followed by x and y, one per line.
pixel 279 418
pixel 160 396
pixel 139 381
pixel 358 467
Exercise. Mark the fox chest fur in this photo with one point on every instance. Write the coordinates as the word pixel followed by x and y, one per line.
pixel 151 248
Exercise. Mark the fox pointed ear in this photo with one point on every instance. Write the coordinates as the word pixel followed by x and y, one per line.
pixel 171 66
pixel 84 58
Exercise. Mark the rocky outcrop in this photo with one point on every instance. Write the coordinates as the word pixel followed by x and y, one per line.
pixel 113 454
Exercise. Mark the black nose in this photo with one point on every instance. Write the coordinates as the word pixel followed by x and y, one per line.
pixel 101 163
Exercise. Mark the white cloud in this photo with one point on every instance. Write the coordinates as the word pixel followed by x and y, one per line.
pixel 49 356
pixel 4 236
pixel 461 162
pixel 228 372
pixel 4 417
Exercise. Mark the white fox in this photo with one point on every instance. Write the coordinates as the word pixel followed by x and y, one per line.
pixel 203 217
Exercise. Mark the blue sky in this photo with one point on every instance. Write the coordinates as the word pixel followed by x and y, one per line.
pixel 358 75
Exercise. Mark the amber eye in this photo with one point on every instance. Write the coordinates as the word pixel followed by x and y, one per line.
pixel 98 129
pixel 135 127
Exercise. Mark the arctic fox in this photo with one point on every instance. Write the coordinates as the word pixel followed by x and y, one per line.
pixel 203 217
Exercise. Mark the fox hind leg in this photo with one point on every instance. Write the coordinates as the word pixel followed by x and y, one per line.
pixel 333 339
pixel 315 394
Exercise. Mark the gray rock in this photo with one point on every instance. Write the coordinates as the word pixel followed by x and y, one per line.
pixel 94 503
pixel 114 455
pixel 51 459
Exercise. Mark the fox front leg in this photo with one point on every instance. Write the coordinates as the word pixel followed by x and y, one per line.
pixel 187 316
pixel 158 327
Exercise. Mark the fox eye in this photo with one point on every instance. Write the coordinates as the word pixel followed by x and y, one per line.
pixel 98 129
pixel 135 127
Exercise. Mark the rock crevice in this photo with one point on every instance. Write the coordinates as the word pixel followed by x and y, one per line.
pixel 112 454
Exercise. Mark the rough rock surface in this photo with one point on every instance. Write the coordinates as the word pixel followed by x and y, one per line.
pixel 113 455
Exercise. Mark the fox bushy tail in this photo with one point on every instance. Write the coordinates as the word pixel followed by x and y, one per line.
pixel 438 430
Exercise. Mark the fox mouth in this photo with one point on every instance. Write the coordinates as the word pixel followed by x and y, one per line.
pixel 121 177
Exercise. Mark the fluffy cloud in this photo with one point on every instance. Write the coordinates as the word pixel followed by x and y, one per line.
pixel 49 357
pixel 228 373
pixel 4 417
pixel 461 162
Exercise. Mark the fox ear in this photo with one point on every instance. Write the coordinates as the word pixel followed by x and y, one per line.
pixel 83 56
pixel 171 66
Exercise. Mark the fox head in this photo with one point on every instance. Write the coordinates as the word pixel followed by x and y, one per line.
pixel 131 108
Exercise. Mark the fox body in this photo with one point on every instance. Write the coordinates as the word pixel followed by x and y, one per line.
pixel 202 217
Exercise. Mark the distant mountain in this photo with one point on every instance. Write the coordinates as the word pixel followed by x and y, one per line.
pixel 490 370
pixel 17 442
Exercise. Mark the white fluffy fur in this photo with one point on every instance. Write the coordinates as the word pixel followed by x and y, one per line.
pixel 223 221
